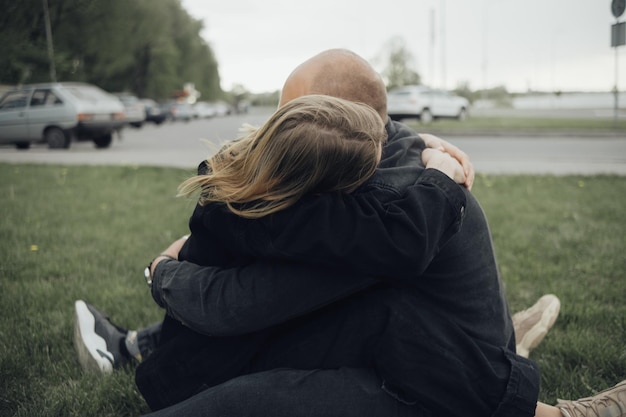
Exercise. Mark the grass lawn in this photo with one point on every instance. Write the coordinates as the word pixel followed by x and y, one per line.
pixel 483 124
pixel 87 232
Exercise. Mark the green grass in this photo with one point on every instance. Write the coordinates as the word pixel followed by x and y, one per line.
pixel 539 125
pixel 87 232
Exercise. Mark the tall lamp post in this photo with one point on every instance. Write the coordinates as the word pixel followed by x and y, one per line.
pixel 53 73
pixel 618 37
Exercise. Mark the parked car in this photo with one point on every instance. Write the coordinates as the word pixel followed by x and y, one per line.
pixel 425 104
pixel 176 110
pixel 57 113
pixel 222 108
pixel 153 111
pixel 134 109
pixel 204 110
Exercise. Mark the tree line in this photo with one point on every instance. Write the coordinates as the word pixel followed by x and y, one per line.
pixel 148 47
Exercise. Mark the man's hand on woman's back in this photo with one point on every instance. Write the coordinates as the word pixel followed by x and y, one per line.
pixel 444 162
pixel 436 143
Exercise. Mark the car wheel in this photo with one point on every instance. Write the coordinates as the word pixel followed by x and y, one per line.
pixel 426 116
pixel 103 141
pixel 462 115
pixel 22 145
pixel 137 125
pixel 56 138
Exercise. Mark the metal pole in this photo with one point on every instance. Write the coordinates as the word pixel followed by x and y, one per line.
pixel 483 94
pixel 432 48
pixel 616 89
pixel 53 74
pixel 444 75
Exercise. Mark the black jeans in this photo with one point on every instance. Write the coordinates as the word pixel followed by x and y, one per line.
pixel 342 392
pixel 422 358
pixel 186 362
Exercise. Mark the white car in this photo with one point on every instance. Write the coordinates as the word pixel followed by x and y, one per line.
pixel 222 108
pixel 426 104
pixel 57 113
pixel 178 110
pixel 204 110
pixel 134 109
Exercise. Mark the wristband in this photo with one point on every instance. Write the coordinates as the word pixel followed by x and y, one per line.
pixel 147 274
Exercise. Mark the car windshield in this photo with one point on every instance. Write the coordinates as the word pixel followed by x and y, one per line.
pixel 87 93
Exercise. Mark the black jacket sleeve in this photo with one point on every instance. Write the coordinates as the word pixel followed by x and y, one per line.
pixel 231 301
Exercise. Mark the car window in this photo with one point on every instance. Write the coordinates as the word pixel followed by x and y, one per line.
pixel 39 98
pixel 53 99
pixel 44 97
pixel 14 100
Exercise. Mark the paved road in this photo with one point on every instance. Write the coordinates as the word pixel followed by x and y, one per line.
pixel 185 144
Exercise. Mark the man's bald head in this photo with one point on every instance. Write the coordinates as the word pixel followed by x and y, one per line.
pixel 339 73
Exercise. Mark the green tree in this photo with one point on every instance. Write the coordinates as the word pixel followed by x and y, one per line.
pixel 22 42
pixel 147 47
pixel 397 71
pixel 499 95
pixel 463 89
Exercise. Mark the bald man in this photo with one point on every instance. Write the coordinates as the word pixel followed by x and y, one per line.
pixel 341 73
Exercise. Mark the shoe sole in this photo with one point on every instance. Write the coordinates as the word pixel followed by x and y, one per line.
pixel 536 334
pixel 93 355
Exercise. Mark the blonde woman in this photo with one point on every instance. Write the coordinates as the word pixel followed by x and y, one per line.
pixel 315 144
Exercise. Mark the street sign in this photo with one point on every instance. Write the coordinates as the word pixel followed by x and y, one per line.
pixel 618 38
pixel 618 34
pixel 617 7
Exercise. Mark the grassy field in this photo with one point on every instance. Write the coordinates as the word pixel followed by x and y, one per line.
pixel 87 232
pixel 486 124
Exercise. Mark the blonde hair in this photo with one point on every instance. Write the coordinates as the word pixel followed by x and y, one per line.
pixel 313 144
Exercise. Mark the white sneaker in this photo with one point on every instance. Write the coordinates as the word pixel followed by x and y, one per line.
pixel 532 325
pixel 97 340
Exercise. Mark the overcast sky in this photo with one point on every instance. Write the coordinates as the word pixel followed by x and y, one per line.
pixel 531 44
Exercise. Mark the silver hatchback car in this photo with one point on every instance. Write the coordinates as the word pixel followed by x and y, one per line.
pixel 57 113
pixel 425 104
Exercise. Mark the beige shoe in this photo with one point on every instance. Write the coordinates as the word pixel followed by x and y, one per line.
pixel 532 325
pixel 608 403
